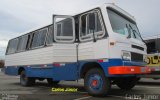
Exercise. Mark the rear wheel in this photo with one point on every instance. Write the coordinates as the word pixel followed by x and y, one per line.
pixel 26 81
pixel 51 82
pixel 126 83
pixel 96 83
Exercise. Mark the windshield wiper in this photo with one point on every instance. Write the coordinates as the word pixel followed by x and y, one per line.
pixel 135 32
pixel 132 30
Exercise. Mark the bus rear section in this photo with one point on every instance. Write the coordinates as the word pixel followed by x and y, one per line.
pixel 103 46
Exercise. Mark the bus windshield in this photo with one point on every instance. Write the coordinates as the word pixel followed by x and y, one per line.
pixel 122 25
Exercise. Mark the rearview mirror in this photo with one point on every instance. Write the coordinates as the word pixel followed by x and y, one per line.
pixel 92 21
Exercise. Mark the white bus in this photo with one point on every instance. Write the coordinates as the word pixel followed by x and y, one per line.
pixel 102 46
pixel 153 57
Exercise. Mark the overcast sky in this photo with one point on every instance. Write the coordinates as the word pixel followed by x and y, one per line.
pixel 18 16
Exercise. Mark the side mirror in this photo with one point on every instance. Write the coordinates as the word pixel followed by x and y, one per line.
pixel 92 21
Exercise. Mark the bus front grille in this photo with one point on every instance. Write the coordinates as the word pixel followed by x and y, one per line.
pixel 136 57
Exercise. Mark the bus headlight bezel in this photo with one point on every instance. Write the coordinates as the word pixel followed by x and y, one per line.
pixel 126 55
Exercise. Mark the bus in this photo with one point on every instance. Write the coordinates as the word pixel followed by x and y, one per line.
pixel 102 45
pixel 153 58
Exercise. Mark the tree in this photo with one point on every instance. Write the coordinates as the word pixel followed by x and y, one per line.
pixel 1 63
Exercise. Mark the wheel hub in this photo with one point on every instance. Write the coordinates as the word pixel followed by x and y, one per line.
pixel 95 82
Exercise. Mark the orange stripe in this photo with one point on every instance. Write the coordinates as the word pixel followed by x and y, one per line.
pixel 122 70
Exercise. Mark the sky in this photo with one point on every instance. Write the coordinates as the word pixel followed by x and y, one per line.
pixel 19 16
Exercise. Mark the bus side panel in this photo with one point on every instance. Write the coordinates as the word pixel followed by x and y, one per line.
pixel 64 53
pixel 62 72
pixel 39 72
pixel 93 50
pixel 31 57
pixel 67 72
pixel 11 70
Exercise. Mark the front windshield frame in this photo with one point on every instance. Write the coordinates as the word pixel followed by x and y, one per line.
pixel 119 23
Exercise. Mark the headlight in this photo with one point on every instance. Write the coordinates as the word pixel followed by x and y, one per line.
pixel 126 55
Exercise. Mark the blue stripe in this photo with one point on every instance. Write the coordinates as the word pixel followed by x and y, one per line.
pixel 11 70
pixel 70 71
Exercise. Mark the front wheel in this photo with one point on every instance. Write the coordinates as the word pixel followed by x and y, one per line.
pixel 126 83
pixel 26 81
pixel 96 83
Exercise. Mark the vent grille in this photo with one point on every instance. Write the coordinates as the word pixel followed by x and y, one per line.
pixel 137 47
pixel 136 57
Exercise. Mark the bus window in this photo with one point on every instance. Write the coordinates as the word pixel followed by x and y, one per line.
pixel 64 29
pixel 12 47
pixel 34 40
pixel 42 36
pixel 50 35
pixel 85 32
pixel 59 29
pixel 29 41
pixel 38 39
pixel 83 25
pixel 97 25
pixel 22 43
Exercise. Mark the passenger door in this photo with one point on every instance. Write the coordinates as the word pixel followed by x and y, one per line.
pixel 64 37
pixel 64 48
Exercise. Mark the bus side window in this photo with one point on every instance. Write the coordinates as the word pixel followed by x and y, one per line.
pixel 29 41
pixel 12 46
pixel 64 29
pixel 38 38
pixel 50 38
pixel 34 43
pixel 22 43
pixel 85 33
pixel 42 36
pixel 83 25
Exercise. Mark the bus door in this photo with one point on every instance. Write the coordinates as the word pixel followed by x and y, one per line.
pixel 64 48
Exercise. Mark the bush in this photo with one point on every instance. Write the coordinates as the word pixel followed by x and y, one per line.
pixel 1 63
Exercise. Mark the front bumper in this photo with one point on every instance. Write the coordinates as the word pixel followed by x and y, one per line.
pixel 128 70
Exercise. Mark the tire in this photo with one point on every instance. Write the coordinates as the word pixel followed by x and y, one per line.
pixel 51 82
pixel 126 83
pixel 96 83
pixel 26 81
